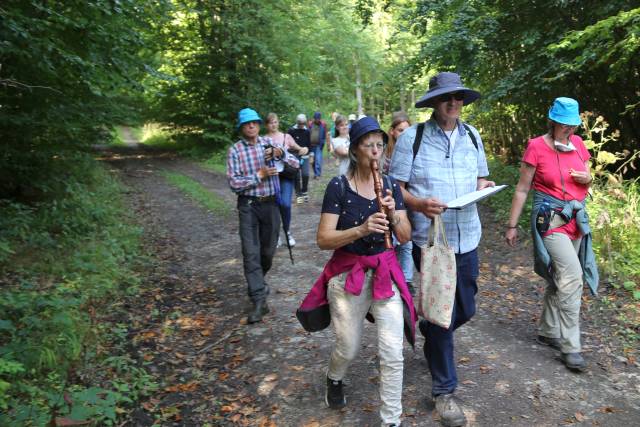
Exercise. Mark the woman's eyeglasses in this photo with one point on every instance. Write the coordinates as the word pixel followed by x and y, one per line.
pixel 379 146
pixel 458 96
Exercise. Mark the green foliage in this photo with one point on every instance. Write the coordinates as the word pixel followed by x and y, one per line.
pixel 198 192
pixel 216 162
pixel 289 58
pixel 63 258
pixel 615 208
pixel 68 71
pixel 500 203
pixel 521 55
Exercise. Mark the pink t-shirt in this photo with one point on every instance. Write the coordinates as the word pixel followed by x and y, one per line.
pixel 549 164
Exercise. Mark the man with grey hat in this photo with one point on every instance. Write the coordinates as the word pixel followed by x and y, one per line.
pixel 436 162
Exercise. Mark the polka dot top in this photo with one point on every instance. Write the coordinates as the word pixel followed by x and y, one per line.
pixel 354 210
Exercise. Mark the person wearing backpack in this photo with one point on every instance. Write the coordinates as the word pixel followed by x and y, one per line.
pixel 318 135
pixel 363 277
pixel 435 162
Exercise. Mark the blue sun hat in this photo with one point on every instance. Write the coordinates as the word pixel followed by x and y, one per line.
pixel 565 111
pixel 247 115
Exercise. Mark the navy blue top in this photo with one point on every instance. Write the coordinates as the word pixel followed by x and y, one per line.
pixel 354 210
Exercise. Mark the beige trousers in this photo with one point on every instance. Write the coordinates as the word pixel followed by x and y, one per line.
pixel 561 305
pixel 347 317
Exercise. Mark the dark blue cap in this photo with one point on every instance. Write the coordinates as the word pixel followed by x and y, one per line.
pixel 364 126
pixel 317 115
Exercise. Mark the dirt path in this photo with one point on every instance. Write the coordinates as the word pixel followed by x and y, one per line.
pixel 188 326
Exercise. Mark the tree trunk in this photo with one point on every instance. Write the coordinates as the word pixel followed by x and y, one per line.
pixel 358 85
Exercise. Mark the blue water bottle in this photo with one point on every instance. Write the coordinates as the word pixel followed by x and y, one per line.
pixel 544 217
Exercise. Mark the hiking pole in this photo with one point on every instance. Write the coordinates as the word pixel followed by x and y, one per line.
pixel 276 186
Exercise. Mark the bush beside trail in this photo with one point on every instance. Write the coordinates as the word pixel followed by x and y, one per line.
pixel 67 260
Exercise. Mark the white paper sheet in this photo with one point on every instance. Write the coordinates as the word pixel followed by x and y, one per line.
pixel 470 198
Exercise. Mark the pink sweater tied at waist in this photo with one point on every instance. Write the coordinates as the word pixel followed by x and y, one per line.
pixel 314 313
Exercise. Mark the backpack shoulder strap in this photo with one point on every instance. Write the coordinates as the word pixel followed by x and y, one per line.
pixel 473 137
pixel 418 140
pixel 387 179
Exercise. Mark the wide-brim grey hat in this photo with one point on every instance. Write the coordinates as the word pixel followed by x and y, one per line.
pixel 446 82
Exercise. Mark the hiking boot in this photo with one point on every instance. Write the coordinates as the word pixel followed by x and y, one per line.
pixel 260 308
pixel 334 398
pixel 450 412
pixel 574 361
pixel 551 342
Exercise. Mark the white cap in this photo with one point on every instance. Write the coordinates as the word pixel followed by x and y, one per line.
pixel 301 118
pixel 361 116
pixel 352 116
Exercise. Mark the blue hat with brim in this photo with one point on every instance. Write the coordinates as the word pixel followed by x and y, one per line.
pixel 446 82
pixel 565 111
pixel 247 115
pixel 364 126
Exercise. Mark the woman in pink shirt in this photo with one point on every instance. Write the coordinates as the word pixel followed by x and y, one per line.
pixel 556 165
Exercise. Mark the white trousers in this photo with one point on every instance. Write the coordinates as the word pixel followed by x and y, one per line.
pixel 561 305
pixel 347 316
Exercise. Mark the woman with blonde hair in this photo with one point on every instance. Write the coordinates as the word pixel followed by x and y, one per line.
pixel 340 141
pixel 399 122
pixel 286 183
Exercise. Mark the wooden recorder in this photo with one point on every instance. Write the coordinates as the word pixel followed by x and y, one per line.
pixel 377 186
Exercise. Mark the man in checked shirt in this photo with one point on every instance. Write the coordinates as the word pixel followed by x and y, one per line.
pixel 254 178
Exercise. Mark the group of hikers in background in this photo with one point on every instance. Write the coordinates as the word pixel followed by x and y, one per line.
pixel 424 166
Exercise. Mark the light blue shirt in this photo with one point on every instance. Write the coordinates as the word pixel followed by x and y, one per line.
pixel 432 174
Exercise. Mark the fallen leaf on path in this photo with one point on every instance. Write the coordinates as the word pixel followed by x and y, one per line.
pixel 271 377
pixel 579 416
pixel 225 409
pixel 312 423
pixel 182 387
pixel 485 369
pixel 267 384
pixel 264 421
pixel 464 359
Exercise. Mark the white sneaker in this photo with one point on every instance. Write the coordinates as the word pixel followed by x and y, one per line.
pixel 279 242
pixel 292 241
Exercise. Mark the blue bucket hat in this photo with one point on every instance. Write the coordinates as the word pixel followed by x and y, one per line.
pixel 247 115
pixel 446 82
pixel 565 111
pixel 364 126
